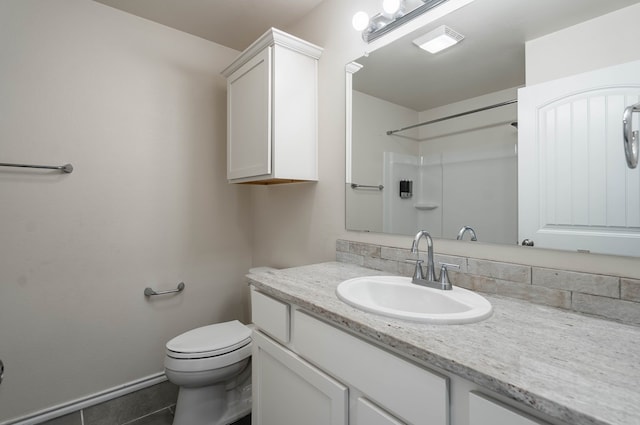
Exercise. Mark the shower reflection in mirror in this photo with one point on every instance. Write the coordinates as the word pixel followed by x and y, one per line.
pixel 463 168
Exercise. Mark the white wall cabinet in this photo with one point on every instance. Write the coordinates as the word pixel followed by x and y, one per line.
pixel 272 124
pixel 320 374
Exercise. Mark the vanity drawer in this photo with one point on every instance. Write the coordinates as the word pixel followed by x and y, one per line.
pixel 484 411
pixel 270 316
pixel 407 391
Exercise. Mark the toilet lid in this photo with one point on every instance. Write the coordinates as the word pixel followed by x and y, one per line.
pixel 209 341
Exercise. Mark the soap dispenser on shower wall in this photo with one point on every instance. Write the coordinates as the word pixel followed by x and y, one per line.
pixel 406 189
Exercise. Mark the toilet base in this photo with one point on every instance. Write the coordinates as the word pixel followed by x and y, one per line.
pixel 220 404
pixel 199 406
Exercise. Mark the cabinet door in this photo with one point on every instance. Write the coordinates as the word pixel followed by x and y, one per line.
pixel 289 391
pixel 574 187
pixel 409 392
pixel 369 414
pixel 484 411
pixel 249 99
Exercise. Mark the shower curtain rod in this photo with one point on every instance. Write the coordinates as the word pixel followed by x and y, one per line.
pixel 461 114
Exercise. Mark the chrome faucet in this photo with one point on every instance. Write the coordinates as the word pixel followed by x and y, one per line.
pixel 467 229
pixel 430 280
pixel 431 273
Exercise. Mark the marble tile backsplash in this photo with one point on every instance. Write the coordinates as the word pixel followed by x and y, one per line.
pixel 610 297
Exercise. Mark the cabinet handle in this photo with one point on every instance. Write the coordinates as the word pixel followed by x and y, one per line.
pixel 1 371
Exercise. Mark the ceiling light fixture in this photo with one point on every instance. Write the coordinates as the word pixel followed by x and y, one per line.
pixel 439 39
pixel 398 12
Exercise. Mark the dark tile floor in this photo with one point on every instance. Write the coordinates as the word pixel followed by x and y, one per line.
pixel 244 421
pixel 165 417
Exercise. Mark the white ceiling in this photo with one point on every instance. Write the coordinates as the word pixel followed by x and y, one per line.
pixel 489 59
pixel 231 23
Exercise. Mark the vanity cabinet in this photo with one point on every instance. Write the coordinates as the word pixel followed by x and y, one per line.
pixel 288 390
pixel 403 389
pixel 306 370
pixel 321 370
pixel 272 96
pixel 368 413
pixel 484 411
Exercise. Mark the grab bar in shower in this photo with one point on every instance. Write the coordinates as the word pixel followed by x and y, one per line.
pixel 366 186
pixel 66 168
pixel 150 292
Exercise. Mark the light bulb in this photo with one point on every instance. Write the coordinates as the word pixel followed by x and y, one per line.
pixel 390 7
pixel 360 21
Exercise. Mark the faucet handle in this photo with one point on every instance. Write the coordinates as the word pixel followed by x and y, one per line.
pixel 444 275
pixel 417 273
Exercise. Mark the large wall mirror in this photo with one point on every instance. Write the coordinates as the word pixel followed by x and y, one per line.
pixel 461 169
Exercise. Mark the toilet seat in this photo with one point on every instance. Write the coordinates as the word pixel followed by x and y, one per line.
pixel 211 365
pixel 209 341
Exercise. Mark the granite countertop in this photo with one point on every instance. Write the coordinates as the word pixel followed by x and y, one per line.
pixel 574 368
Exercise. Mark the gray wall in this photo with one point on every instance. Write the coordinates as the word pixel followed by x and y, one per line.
pixel 140 111
pixel 299 225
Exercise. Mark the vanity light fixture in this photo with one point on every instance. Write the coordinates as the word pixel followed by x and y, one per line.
pixel 397 12
pixel 393 8
pixel 439 39
pixel 360 21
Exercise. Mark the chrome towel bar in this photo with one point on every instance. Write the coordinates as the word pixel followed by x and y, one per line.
pixel 150 292
pixel 66 168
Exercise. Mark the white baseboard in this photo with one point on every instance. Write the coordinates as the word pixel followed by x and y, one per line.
pixel 87 401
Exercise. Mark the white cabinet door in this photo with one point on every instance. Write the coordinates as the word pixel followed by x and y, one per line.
pixel 484 411
pixel 575 190
pixel 289 391
pixel 368 413
pixel 249 118
pixel 272 111
pixel 407 391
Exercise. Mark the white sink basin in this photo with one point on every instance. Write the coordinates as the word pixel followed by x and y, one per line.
pixel 396 296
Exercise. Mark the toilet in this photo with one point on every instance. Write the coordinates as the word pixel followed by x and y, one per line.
pixel 212 367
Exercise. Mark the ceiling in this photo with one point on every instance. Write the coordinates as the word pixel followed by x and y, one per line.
pixel 232 23
pixel 489 59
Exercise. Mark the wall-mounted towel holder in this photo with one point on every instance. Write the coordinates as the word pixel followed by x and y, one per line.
pixel 148 292
pixel 66 168
pixel 366 186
